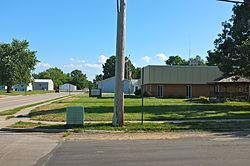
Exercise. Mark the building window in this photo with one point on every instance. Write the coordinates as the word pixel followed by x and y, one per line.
pixel 188 91
pixel 160 91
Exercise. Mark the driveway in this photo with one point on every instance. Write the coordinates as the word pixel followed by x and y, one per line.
pixel 11 102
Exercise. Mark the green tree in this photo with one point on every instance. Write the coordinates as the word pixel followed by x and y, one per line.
pixel 17 62
pixel 229 54
pixel 109 68
pixel 176 60
pixel 79 79
pixel 97 79
pixel 56 75
pixel 197 61
pixel 137 73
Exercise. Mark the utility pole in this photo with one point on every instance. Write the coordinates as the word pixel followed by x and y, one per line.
pixel 118 117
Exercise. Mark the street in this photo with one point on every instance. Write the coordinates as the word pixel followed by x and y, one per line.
pixel 218 150
pixel 10 102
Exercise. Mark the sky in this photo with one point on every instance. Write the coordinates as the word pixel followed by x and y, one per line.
pixel 81 34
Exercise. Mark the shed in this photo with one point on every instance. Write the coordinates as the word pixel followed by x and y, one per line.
pixel 67 87
pixel 108 85
pixel 43 84
pixel 3 87
pixel 22 87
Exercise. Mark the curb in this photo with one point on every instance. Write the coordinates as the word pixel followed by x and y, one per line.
pixel 27 130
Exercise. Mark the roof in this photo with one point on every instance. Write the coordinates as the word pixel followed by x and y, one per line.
pixel 67 84
pixel 113 79
pixel 154 74
pixel 43 80
pixel 231 79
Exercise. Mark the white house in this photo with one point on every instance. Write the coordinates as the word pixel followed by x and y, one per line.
pixel 43 84
pixel 22 87
pixel 108 85
pixel 67 87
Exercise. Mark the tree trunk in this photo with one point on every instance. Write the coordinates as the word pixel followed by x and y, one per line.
pixel 9 89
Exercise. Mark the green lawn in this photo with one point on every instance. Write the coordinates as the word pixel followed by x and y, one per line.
pixel 15 93
pixel 135 127
pixel 101 109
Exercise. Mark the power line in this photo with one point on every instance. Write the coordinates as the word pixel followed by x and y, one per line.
pixel 236 2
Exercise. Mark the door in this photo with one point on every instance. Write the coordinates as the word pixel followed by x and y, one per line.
pixel 160 91
pixel 189 91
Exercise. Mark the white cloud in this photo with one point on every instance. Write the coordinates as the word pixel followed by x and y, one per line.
pixel 102 59
pixel 146 59
pixel 44 65
pixel 93 65
pixel 162 57
pixel 73 66
pixel 81 61
pixel 72 59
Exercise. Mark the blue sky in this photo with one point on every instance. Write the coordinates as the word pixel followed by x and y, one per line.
pixel 81 34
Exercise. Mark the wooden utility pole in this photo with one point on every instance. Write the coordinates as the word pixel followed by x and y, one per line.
pixel 118 117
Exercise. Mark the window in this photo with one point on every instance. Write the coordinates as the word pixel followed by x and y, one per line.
pixel 188 91
pixel 160 91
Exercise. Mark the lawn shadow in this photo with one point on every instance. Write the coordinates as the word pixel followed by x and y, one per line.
pixel 47 112
pixel 232 129
pixel 168 112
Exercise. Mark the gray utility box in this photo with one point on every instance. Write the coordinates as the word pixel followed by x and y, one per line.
pixel 75 116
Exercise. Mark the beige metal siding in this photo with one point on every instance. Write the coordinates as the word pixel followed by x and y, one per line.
pixel 180 74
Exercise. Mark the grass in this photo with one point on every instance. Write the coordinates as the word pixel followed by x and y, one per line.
pixel 11 112
pixel 101 109
pixel 34 92
pixel 154 127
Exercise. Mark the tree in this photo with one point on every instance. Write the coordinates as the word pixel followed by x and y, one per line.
pixel 197 61
pixel 176 60
pixel 56 75
pixel 137 73
pixel 17 62
pixel 109 68
pixel 229 54
pixel 79 79
pixel 97 79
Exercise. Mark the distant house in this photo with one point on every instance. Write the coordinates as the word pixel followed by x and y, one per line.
pixel 231 87
pixel 108 85
pixel 67 87
pixel 43 84
pixel 22 87
pixel 178 81
pixel 3 87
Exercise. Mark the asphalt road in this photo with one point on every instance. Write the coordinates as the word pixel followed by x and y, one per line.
pixel 10 102
pixel 215 151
